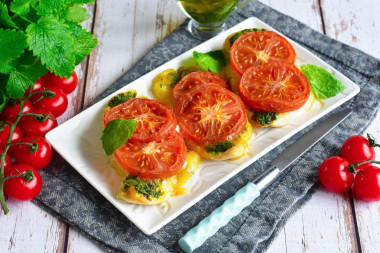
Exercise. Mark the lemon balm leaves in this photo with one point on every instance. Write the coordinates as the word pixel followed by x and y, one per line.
pixel 21 7
pixel 84 42
pixel 49 6
pixel 75 13
pixel 323 83
pixel 12 45
pixel 23 77
pixel 51 41
pixel 116 133
pixel 5 20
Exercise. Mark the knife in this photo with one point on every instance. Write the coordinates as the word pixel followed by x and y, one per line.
pixel 195 237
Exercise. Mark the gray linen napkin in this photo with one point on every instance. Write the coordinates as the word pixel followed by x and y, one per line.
pixel 68 196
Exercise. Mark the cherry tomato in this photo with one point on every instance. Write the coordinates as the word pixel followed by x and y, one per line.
pixel 356 149
pixel 66 85
pixel 367 184
pixel 18 188
pixel 56 104
pixel 38 156
pixel 334 175
pixel 7 161
pixel 37 125
pixel 210 113
pixel 255 48
pixel 4 134
pixel 194 79
pixel 38 86
pixel 11 110
pixel 274 87
pixel 154 119
pixel 161 158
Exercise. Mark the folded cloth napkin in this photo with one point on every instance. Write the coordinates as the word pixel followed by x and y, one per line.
pixel 68 196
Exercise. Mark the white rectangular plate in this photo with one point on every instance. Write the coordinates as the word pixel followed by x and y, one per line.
pixel 83 148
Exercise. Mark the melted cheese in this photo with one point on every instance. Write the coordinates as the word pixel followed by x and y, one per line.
pixel 240 148
pixel 172 186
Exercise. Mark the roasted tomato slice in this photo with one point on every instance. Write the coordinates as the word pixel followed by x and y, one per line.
pixel 255 48
pixel 274 87
pixel 161 158
pixel 210 113
pixel 195 79
pixel 154 119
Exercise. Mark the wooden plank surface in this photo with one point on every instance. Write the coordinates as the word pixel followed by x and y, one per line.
pixel 126 31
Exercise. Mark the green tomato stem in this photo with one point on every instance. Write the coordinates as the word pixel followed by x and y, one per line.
pixel 2 157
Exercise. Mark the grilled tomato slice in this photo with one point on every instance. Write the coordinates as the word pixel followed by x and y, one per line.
pixel 195 79
pixel 255 48
pixel 154 119
pixel 210 113
pixel 160 158
pixel 274 87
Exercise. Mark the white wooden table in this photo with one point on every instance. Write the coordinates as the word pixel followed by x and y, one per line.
pixel 126 31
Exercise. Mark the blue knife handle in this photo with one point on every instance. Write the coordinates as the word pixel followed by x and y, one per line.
pixel 219 217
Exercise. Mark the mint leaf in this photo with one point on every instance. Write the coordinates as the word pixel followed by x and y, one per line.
pixel 12 45
pixel 240 33
pixel 45 7
pixel 116 133
pixel 3 96
pixel 83 1
pixel 8 67
pixel 23 77
pixel 323 83
pixel 76 13
pixel 84 42
pixel 5 19
pixel 21 7
pixel 210 61
pixel 51 41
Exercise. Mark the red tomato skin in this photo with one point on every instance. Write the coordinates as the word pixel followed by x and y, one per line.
pixel 194 79
pixel 129 157
pixel 258 76
pixel 334 176
pixel 30 126
pixel 367 184
pixel 16 137
pixel 190 102
pixel 17 188
pixel 38 159
pixel 38 86
pixel 66 85
pixel 7 162
pixel 57 104
pixel 10 112
pixel 144 111
pixel 356 149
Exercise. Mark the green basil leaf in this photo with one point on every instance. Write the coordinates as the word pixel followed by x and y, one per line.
pixel 116 133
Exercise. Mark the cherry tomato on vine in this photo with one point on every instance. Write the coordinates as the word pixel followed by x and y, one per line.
pixel 57 103
pixel 11 110
pixel 38 155
pixel 66 85
pixel 4 134
pixel 367 184
pixel 357 148
pixel 38 125
pixel 18 188
pixel 7 161
pixel 38 86
pixel 334 175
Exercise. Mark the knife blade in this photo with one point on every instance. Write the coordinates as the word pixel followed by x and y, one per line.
pixel 196 236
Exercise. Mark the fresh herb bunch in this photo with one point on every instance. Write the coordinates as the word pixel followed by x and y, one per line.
pixel 37 36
